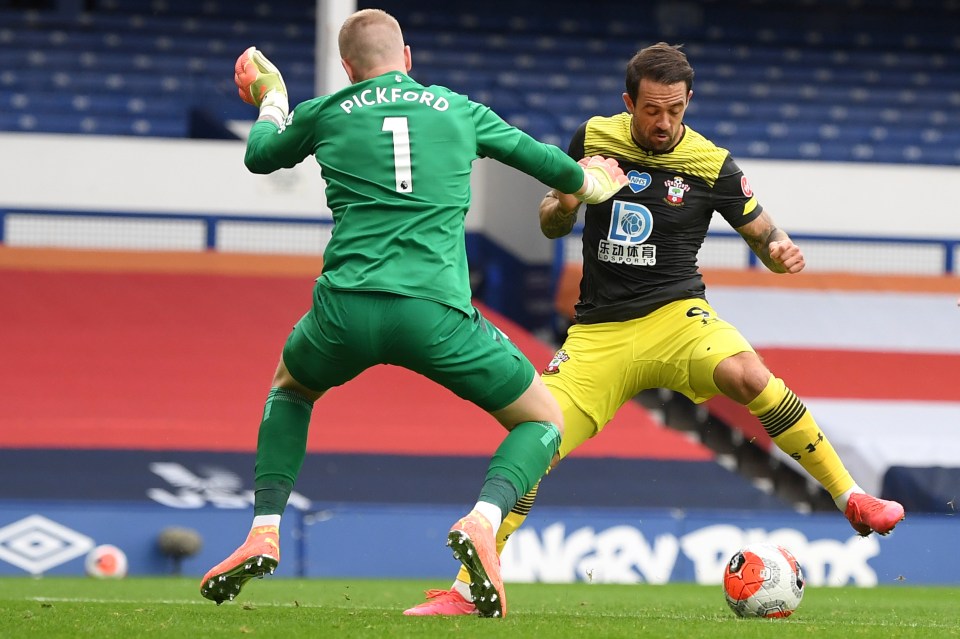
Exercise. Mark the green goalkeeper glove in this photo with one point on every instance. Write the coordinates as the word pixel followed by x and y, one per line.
pixel 602 179
pixel 259 83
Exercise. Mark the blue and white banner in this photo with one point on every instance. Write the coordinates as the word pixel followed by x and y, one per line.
pixel 54 538
pixel 556 545
pixel 661 547
pixel 189 480
pixel 632 546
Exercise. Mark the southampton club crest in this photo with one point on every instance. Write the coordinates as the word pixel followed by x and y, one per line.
pixel 554 366
pixel 676 189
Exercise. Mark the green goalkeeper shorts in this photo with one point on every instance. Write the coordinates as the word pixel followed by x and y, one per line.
pixel 347 332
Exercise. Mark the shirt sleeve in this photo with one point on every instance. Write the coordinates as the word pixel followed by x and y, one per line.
pixel 576 147
pixel 733 197
pixel 498 140
pixel 270 147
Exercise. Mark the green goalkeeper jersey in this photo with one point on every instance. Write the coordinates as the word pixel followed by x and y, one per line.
pixel 396 157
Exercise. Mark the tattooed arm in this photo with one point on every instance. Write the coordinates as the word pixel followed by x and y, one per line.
pixel 772 245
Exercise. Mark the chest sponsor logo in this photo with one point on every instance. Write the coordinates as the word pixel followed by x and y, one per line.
pixel 639 181
pixel 630 226
pixel 676 189
pixel 630 222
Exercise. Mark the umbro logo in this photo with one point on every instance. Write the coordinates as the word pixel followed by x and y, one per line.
pixel 37 544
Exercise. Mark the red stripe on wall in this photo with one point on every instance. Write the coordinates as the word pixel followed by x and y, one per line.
pixel 866 374
pixel 853 375
pixel 173 361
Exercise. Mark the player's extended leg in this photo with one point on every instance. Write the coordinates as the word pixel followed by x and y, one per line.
pixel 328 347
pixel 593 372
pixel 479 363
pixel 515 468
pixel 473 538
pixel 745 379
pixel 281 449
pixel 458 600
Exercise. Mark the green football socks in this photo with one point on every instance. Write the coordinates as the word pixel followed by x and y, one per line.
pixel 519 463
pixel 281 449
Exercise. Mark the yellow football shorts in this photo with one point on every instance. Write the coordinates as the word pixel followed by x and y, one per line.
pixel 602 366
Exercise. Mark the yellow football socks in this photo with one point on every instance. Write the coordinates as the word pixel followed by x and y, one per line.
pixel 795 432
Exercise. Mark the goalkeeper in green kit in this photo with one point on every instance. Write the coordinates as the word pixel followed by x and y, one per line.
pixel 396 157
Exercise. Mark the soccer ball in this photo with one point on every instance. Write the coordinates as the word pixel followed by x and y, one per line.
pixel 106 562
pixel 763 580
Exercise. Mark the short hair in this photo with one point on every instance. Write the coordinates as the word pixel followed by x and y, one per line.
pixel 369 38
pixel 661 62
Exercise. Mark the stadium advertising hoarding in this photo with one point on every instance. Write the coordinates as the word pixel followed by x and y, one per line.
pixel 562 545
pixel 557 544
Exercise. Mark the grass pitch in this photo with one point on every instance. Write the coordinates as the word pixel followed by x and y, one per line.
pixel 52 608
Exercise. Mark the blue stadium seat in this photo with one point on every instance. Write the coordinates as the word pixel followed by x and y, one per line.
pixel 774 79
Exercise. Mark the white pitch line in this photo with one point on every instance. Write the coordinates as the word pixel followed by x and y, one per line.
pixel 160 601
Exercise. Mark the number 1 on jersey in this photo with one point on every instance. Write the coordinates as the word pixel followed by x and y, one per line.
pixel 402 166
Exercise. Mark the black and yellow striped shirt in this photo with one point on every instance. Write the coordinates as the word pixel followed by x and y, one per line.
pixel 640 247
